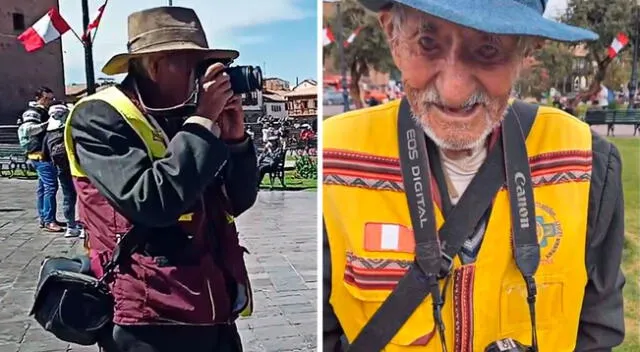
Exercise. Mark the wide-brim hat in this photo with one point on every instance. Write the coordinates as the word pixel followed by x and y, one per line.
pixel 503 17
pixel 162 30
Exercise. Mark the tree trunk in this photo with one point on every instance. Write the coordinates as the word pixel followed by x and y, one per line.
pixel 354 88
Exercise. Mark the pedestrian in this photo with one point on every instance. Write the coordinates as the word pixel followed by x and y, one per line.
pixel 459 219
pixel 145 158
pixel 31 132
pixel 54 151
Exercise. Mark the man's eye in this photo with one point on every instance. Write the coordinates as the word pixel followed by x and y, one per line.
pixel 428 43
pixel 488 52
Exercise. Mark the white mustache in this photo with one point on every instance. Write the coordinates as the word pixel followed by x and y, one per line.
pixel 431 96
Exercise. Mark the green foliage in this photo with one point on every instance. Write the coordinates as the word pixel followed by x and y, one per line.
pixel 306 168
pixel 368 51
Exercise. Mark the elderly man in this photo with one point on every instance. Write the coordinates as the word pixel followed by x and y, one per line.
pixel 154 155
pixel 458 219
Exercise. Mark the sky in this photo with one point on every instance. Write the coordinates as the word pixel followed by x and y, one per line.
pixel 277 35
pixel 555 8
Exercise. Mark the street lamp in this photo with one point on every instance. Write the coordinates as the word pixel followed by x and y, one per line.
pixel 341 59
pixel 633 84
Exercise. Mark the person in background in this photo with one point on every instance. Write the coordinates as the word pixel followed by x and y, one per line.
pixel 31 132
pixel 54 151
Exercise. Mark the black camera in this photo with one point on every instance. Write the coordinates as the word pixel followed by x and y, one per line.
pixel 243 79
pixel 508 345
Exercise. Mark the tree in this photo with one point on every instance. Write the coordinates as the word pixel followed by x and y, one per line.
pixel 368 51
pixel 607 18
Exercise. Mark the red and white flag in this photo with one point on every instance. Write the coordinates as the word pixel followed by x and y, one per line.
pixel 49 28
pixel 352 37
pixel 388 238
pixel 93 26
pixel 327 36
pixel 619 42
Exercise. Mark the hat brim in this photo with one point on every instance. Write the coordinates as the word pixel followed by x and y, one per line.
pixel 506 17
pixel 119 63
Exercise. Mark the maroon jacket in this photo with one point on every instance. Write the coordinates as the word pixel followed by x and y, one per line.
pixel 188 272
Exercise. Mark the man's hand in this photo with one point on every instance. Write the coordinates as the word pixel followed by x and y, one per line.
pixel 215 94
pixel 232 120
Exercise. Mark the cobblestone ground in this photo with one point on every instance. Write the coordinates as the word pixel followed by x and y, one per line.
pixel 279 231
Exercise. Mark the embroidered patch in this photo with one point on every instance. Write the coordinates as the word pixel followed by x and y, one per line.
pixel 560 167
pixel 361 170
pixel 549 232
pixel 388 238
pixel 463 280
pixel 374 274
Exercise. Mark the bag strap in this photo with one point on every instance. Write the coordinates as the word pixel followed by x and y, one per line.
pixel 127 245
pixel 422 277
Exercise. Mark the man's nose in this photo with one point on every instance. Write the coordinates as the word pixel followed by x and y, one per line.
pixel 455 83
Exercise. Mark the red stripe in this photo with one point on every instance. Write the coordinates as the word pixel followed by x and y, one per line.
pixel 369 175
pixel 31 40
pixel 353 156
pixel 58 22
pixel 560 155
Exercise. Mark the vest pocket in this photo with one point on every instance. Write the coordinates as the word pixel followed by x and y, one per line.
pixel 514 309
pixel 371 287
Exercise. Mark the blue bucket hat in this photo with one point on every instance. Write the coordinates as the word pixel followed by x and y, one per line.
pixel 506 17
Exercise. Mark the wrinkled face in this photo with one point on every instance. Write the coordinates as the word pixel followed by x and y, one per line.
pixel 457 80
pixel 172 74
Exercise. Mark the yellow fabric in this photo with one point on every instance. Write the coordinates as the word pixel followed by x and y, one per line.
pixel 35 156
pixel 151 137
pixel 499 305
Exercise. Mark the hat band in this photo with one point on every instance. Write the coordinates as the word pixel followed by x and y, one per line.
pixel 161 36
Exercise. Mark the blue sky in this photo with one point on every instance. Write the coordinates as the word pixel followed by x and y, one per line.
pixel 279 33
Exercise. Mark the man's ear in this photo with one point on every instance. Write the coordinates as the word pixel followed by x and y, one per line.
pixel 152 68
pixel 538 43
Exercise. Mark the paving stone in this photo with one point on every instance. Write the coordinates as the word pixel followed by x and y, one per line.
pixel 279 231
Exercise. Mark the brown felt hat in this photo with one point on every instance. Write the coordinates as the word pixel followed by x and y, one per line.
pixel 164 29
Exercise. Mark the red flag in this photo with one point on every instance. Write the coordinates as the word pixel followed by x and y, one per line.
pixel 352 37
pixel 619 42
pixel 49 28
pixel 93 26
pixel 327 36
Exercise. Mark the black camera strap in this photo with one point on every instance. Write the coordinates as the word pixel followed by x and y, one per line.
pixel 434 254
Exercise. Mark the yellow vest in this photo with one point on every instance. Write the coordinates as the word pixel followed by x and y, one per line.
pixel 152 137
pixel 371 241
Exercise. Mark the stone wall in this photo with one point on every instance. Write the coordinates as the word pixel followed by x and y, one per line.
pixel 22 73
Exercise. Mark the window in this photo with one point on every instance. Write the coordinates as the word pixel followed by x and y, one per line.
pixel 276 108
pixel 18 22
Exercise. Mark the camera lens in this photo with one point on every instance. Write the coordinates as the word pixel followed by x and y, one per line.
pixel 245 79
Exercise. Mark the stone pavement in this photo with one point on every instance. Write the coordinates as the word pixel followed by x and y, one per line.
pixel 279 231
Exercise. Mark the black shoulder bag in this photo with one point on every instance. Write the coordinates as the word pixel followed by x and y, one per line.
pixel 70 302
pixel 507 162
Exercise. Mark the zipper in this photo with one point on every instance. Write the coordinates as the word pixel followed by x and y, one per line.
pixel 213 306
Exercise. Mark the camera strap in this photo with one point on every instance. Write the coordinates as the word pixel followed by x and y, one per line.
pixel 435 250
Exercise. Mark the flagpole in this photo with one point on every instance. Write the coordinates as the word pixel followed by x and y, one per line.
pixel 633 83
pixel 341 58
pixel 88 51
pixel 95 33
pixel 76 34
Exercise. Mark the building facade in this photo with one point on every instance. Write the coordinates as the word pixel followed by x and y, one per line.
pixel 302 102
pixel 276 84
pixel 26 72
pixel 275 106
